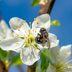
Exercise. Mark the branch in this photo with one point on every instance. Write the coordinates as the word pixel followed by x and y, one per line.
pixel 46 7
pixel 3 67
pixel 32 68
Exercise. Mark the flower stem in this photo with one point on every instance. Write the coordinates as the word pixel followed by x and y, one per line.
pixel 3 67
pixel 32 68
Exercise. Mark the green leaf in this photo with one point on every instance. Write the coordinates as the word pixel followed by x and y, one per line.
pixel 16 60
pixel 55 23
pixel 38 69
pixel 35 2
pixel 45 59
pixel 3 54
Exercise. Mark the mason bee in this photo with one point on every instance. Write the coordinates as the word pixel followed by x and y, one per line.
pixel 42 37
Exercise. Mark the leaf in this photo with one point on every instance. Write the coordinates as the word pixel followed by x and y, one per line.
pixel 38 69
pixel 3 54
pixel 35 2
pixel 16 60
pixel 55 23
pixel 45 59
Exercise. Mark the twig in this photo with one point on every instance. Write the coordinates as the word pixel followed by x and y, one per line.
pixel 47 7
pixel 32 68
pixel 3 67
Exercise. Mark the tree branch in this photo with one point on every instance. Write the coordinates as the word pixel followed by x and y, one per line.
pixel 32 68
pixel 3 67
pixel 47 7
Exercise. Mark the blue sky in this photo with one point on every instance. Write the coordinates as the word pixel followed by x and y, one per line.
pixel 62 11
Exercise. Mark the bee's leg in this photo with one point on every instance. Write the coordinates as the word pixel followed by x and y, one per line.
pixel 48 43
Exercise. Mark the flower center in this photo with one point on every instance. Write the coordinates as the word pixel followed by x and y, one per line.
pixel 29 40
pixel 61 67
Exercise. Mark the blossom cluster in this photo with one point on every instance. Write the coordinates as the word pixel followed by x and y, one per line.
pixel 28 42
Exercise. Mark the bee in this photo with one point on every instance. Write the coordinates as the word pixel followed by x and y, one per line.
pixel 42 37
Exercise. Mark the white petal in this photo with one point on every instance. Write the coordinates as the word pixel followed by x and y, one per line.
pixel 42 21
pixel 55 54
pixel 19 26
pixel 29 55
pixel 11 44
pixel 51 68
pixel 41 47
pixel 5 32
pixel 66 52
pixel 53 40
pixel 69 69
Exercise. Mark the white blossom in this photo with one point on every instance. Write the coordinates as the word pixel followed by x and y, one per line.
pixel 24 39
pixel 61 59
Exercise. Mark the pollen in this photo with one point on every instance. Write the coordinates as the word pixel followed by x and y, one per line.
pixel 29 31
pixel 16 25
pixel 29 40
pixel 18 29
pixel 37 22
pixel 22 24
pixel 61 66
pixel 17 35
pixel 17 43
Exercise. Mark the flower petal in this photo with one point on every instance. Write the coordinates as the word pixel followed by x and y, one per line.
pixel 66 52
pixel 12 44
pixel 51 68
pixel 5 32
pixel 54 54
pixel 53 40
pixel 19 26
pixel 29 55
pixel 54 47
pixel 42 21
